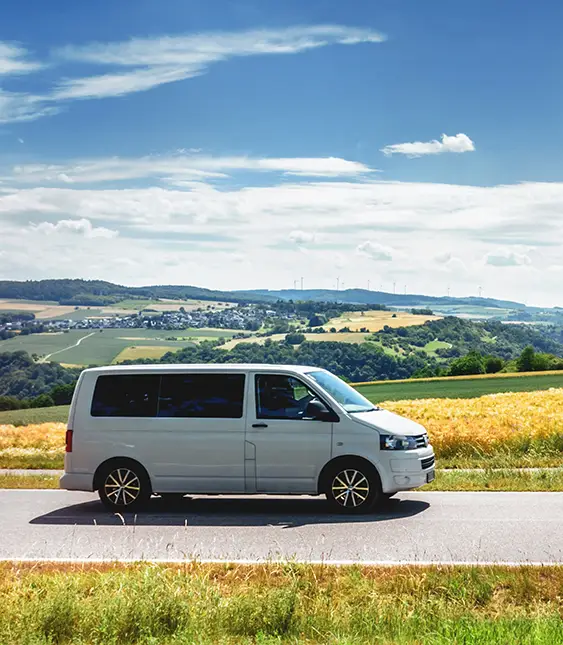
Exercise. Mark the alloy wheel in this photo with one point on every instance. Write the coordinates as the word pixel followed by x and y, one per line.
pixel 350 488
pixel 122 487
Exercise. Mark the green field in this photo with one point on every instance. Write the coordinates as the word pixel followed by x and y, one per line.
pixel 458 388
pixel 56 414
pixel 101 348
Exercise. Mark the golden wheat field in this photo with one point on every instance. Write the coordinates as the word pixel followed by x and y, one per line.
pixel 514 429
pixel 524 424
pixel 33 446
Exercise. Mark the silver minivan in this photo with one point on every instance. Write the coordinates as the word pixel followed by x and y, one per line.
pixel 139 430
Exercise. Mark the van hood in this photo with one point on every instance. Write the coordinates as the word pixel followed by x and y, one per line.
pixel 388 422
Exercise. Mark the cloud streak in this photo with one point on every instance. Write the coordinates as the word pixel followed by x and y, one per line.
pixel 140 64
pixel 14 61
pixel 181 169
pixel 143 63
pixel 458 143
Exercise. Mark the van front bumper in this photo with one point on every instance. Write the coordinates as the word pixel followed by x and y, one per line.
pixel 77 481
pixel 411 470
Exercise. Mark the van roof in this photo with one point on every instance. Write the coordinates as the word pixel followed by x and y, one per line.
pixel 204 367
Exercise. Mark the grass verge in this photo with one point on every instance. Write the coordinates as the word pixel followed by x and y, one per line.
pixel 288 603
pixel 29 481
pixel 548 480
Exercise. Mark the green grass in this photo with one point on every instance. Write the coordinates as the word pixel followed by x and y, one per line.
pixel 433 345
pixel 56 414
pixel 101 348
pixel 29 481
pixel 458 388
pixel 270 604
pixel 498 480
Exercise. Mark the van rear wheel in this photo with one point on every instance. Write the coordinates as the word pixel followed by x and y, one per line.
pixel 353 487
pixel 124 486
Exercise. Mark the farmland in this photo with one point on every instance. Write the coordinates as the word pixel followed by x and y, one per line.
pixel 376 320
pixel 102 347
pixel 339 337
pixel 460 386
pixel 51 310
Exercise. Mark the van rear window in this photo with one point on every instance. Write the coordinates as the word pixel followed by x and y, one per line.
pixel 218 396
pixel 126 396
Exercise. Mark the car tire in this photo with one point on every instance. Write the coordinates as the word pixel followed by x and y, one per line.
pixel 124 486
pixel 353 487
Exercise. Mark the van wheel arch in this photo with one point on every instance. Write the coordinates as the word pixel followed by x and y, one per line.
pixel 124 461
pixel 343 460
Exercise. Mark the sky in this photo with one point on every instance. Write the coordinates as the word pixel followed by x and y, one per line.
pixel 240 144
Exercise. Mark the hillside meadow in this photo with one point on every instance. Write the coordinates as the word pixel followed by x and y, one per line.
pixel 93 347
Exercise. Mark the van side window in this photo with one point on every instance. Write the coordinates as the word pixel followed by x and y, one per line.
pixel 217 396
pixel 281 397
pixel 125 396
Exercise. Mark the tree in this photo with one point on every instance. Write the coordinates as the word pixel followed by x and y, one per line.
pixel 526 362
pixel 316 321
pixel 493 364
pixel 62 394
pixel 42 401
pixel 472 363
pixel 295 338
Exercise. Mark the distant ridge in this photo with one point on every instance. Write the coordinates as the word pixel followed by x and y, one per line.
pixel 363 296
pixel 99 292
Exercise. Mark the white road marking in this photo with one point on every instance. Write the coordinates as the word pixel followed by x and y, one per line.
pixel 332 563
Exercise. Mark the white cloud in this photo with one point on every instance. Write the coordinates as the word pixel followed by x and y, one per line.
pixel 458 143
pixel 164 229
pixel 76 227
pixel 507 258
pixel 13 60
pixel 177 169
pixel 302 237
pixel 375 251
pixel 149 62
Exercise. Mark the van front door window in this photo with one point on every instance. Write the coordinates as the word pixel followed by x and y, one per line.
pixel 281 397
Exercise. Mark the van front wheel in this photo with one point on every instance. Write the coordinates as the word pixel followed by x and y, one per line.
pixel 353 488
pixel 124 487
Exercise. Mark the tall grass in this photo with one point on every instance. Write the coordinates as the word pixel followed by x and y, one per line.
pixel 152 604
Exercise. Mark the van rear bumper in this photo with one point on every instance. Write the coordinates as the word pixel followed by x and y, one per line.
pixel 77 481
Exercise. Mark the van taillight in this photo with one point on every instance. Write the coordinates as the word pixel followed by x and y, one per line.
pixel 69 440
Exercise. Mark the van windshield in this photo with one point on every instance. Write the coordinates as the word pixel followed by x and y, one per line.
pixel 349 398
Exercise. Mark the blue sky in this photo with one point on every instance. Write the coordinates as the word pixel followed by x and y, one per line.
pixel 244 144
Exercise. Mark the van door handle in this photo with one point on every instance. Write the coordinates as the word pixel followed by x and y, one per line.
pixel 259 425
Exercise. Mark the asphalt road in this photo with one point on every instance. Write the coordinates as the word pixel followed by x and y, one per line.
pixel 416 528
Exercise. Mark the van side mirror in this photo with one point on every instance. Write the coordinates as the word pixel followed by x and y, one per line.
pixel 317 411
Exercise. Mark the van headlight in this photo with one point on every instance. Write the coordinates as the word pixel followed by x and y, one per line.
pixel 396 442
